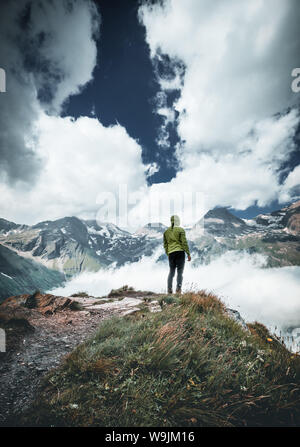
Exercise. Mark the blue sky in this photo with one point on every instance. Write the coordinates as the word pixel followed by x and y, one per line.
pixel 125 85
pixel 164 97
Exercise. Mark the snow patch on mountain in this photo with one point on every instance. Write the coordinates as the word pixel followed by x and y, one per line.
pixel 7 276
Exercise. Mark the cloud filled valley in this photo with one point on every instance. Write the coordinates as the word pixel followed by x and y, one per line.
pixel 270 296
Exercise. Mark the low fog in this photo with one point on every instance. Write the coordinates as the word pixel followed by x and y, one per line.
pixel 270 296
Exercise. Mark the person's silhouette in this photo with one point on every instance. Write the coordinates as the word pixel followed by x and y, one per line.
pixel 176 245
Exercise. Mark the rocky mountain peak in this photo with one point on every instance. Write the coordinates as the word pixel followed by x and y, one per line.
pixel 222 214
pixel 287 218
pixel 104 228
pixel 151 229
pixel 6 225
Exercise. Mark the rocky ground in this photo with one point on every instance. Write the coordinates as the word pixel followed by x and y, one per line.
pixel 40 330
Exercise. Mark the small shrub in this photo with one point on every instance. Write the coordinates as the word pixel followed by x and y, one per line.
pixel 120 291
pixel 165 300
pixel 75 306
pixel 80 294
pixel 203 302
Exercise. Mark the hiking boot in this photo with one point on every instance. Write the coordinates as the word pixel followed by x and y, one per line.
pixel 178 291
pixel 170 291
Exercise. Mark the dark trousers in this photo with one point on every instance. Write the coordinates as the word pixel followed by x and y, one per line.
pixel 176 261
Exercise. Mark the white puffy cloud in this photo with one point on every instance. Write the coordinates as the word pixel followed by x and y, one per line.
pixel 151 169
pixel 81 160
pixel 53 166
pixel 44 59
pixel 236 89
pixel 168 116
pixel 68 57
pixel 291 185
pixel 235 179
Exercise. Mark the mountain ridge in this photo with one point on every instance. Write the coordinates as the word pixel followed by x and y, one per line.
pixel 188 365
pixel 71 245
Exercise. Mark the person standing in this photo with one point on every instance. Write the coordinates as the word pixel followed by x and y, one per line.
pixel 176 245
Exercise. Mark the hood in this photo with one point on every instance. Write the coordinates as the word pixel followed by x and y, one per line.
pixel 175 219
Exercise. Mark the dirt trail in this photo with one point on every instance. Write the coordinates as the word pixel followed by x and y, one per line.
pixel 35 352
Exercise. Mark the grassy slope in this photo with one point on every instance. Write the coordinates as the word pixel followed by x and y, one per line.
pixel 25 275
pixel 189 365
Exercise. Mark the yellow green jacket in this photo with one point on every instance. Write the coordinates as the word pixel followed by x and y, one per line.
pixel 174 238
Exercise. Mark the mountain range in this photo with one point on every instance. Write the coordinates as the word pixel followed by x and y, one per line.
pixel 47 254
